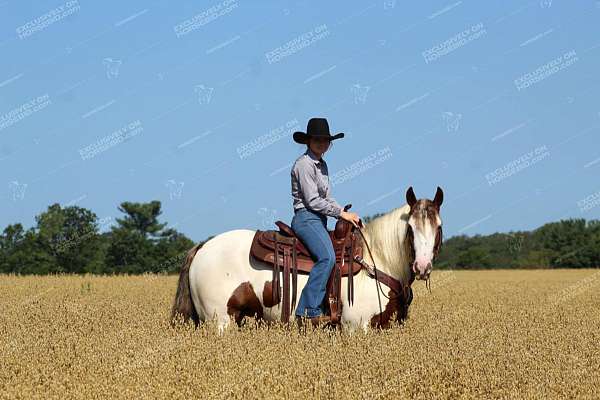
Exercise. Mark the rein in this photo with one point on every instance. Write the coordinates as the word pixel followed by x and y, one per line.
pixel 394 284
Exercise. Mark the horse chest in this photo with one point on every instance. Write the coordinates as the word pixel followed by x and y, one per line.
pixel 367 312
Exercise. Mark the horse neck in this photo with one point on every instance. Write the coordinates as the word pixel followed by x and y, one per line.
pixel 385 236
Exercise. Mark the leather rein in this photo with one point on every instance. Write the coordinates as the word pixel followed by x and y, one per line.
pixel 380 277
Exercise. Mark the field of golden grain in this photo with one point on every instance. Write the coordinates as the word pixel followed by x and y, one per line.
pixel 500 334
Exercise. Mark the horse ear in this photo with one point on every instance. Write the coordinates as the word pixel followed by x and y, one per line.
pixel 411 199
pixel 439 197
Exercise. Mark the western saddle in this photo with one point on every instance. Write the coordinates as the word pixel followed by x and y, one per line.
pixel 287 254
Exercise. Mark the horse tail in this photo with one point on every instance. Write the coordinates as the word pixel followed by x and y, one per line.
pixel 183 304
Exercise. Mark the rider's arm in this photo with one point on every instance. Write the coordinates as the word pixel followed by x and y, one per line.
pixel 329 198
pixel 306 175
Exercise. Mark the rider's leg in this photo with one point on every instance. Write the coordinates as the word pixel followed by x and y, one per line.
pixel 311 228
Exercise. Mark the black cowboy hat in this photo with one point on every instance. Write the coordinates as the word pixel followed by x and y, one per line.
pixel 317 127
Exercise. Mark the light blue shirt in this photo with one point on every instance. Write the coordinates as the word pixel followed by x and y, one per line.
pixel 310 185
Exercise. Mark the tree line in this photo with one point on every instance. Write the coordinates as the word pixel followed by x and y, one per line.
pixel 571 243
pixel 69 240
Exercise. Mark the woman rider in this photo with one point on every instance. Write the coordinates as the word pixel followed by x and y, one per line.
pixel 312 205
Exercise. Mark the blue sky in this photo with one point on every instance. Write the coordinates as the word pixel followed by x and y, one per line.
pixel 194 105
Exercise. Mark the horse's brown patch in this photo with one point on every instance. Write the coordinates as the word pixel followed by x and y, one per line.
pixel 244 303
pixel 425 209
pixel 268 295
pixel 398 304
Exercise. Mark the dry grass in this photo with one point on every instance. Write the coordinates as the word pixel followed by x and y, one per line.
pixel 500 334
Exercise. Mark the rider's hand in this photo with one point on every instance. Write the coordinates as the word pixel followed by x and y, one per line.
pixel 351 217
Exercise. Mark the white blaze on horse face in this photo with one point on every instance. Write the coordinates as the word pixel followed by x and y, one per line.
pixel 424 234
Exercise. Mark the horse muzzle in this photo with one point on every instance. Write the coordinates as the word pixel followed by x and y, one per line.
pixel 422 273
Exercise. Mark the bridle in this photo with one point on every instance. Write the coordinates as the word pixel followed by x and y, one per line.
pixel 436 248
pixel 438 243
pixel 396 286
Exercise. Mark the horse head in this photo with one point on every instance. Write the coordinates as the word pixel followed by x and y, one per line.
pixel 424 231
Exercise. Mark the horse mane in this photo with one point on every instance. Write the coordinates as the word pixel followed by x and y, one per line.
pixel 386 236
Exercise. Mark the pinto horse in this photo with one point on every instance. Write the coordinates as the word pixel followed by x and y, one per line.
pixel 221 280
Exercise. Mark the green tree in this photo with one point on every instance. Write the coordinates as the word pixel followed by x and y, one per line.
pixel 570 241
pixel 128 252
pixel 473 258
pixel 140 243
pixel 70 235
pixel 22 253
pixel 10 239
pixel 142 218
pixel 170 251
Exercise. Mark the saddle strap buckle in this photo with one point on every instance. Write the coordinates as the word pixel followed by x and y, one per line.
pixel 351 271
pixel 285 312
pixel 336 295
pixel 294 274
pixel 275 280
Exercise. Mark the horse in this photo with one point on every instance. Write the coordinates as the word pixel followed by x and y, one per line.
pixel 220 279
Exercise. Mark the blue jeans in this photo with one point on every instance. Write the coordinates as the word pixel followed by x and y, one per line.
pixel 311 228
